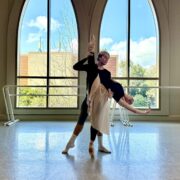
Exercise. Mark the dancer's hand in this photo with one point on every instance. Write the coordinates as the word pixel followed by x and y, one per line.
pixel 147 111
pixel 110 93
pixel 91 45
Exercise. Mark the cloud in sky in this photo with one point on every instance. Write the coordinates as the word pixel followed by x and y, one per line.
pixel 120 49
pixel 33 37
pixel 105 42
pixel 41 23
pixel 143 52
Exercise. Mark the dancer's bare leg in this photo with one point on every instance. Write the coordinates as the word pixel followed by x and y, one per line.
pixel 124 104
pixel 71 141
pixel 101 148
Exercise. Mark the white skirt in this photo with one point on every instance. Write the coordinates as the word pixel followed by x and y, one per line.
pixel 98 107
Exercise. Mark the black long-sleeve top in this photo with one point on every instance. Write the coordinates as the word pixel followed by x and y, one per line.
pixel 92 71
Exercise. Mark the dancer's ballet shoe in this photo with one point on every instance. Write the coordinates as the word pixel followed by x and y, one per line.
pixel 91 151
pixel 104 150
pixel 68 146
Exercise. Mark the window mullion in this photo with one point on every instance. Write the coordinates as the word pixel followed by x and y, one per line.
pixel 128 39
pixel 48 46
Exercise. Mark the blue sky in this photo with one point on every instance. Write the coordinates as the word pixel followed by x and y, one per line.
pixel 114 22
pixel 113 30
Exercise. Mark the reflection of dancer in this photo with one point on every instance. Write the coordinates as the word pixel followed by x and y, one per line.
pixel 113 88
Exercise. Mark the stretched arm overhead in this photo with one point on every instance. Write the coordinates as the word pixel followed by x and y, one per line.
pixel 80 65
pixel 91 49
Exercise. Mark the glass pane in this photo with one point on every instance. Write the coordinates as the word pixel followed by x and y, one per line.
pixel 145 93
pixel 31 97
pixel 25 99
pixel 113 36
pixel 66 97
pixel 63 102
pixel 31 82
pixel 32 40
pixel 64 39
pixel 144 60
pixel 64 82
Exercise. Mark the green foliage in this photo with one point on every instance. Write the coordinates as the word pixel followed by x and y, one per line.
pixel 31 101
pixel 40 101
pixel 137 70
pixel 140 101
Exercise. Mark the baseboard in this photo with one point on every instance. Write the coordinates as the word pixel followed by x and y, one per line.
pixel 154 118
pixel 72 117
pixel 3 117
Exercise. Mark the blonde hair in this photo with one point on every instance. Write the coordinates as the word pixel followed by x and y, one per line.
pixel 101 53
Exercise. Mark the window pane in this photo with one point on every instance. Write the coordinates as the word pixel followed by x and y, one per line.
pixel 25 100
pixel 64 101
pixel 33 53
pixel 32 42
pixel 143 45
pixel 146 96
pixel 113 36
pixel 31 97
pixel 64 82
pixel 62 64
pixel 64 44
pixel 31 82
pixel 66 97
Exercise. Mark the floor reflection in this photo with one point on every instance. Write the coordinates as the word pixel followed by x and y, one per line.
pixel 144 151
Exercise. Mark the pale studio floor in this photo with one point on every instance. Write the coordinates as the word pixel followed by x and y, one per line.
pixel 32 151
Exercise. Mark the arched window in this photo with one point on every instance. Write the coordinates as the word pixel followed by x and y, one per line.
pixel 47 50
pixel 130 33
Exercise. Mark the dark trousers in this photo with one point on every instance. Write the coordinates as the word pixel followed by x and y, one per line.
pixel 83 116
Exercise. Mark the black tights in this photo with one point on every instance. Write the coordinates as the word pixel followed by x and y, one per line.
pixel 93 133
pixel 82 119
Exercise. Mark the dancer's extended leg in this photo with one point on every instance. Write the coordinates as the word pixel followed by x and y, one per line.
pixel 71 141
pixel 78 128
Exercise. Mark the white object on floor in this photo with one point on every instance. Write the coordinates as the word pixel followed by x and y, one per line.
pixel 122 113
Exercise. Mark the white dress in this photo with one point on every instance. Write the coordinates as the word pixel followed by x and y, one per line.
pixel 98 106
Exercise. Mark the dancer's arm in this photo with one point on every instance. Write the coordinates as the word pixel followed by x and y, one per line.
pixel 91 50
pixel 80 66
pixel 124 104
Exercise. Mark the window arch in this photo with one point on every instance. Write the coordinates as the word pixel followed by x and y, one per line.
pixel 47 50
pixel 131 35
